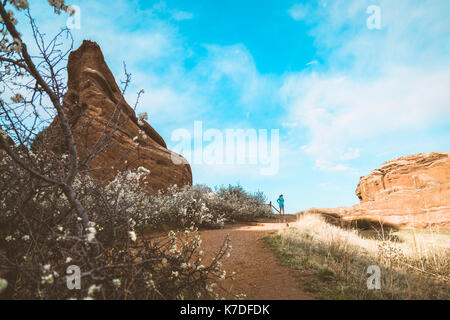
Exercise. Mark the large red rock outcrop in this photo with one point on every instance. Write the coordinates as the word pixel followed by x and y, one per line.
pixel 95 104
pixel 411 191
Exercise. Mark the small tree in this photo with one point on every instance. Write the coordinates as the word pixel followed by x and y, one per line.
pixel 36 89
pixel 52 214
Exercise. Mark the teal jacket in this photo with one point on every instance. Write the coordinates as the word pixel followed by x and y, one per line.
pixel 280 201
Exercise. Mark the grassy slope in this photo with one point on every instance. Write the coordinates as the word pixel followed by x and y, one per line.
pixel 414 265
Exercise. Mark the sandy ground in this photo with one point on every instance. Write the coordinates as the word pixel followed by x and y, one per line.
pixel 259 275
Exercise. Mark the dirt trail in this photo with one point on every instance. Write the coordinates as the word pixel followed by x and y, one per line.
pixel 259 275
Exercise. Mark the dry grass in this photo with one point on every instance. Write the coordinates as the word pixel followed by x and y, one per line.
pixel 414 265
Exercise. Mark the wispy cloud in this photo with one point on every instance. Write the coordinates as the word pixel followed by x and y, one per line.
pixel 373 82
pixel 179 15
pixel 324 165
pixel 313 62
pixel 298 11
pixel 350 154
pixel 340 111
pixel 175 14
pixel 234 66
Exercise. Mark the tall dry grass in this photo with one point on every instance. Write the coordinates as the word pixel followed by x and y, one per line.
pixel 339 259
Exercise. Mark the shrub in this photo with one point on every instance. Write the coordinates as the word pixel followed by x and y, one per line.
pixel 186 206
pixel 41 236
pixel 239 205
pixel 203 207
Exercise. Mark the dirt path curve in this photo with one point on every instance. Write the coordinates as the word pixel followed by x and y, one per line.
pixel 259 275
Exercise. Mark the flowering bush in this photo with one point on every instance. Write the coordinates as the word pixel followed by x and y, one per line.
pixel 201 206
pixel 239 205
pixel 41 237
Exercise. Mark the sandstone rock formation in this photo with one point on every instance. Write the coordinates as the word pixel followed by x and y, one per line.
pixel 411 191
pixel 95 106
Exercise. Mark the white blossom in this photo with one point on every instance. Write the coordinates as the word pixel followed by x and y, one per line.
pixel 47 279
pixel 3 284
pixel 143 170
pixel 93 289
pixel 91 232
pixel 116 282
pixel 143 115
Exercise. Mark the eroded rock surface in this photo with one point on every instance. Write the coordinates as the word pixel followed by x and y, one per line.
pixel 411 191
pixel 95 105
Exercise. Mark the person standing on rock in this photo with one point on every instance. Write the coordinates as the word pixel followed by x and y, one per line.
pixel 280 201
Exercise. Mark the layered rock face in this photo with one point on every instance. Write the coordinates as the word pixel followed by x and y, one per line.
pixel 95 106
pixel 411 191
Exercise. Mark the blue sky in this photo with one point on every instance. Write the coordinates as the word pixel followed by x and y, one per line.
pixel 344 98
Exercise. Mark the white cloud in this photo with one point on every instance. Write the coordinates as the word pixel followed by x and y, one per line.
pixel 236 65
pixel 340 111
pixel 413 32
pixel 176 14
pixel 324 185
pixel 371 83
pixel 324 165
pixel 350 154
pixel 313 62
pixel 164 102
pixel 289 124
pixel 328 166
pixel 179 15
pixel 298 12
pixel 192 94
